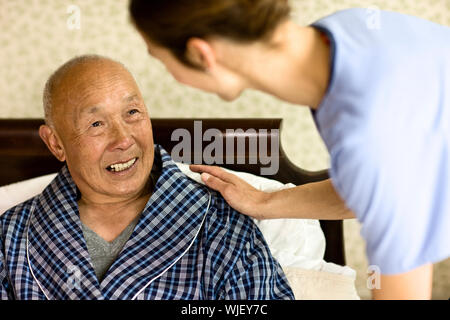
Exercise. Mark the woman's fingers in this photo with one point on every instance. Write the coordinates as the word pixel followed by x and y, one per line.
pixel 214 171
pixel 237 193
pixel 214 182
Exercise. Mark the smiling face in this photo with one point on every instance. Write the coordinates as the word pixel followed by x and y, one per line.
pixel 103 131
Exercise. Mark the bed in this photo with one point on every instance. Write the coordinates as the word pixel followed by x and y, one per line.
pixel 23 156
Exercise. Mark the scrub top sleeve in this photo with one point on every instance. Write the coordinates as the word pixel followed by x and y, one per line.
pixel 385 122
pixel 396 220
pixel 364 193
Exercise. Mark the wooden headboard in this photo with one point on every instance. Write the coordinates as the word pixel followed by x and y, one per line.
pixel 23 155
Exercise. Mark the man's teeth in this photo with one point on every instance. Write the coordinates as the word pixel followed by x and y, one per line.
pixel 122 166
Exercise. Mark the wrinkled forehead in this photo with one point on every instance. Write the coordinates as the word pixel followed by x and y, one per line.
pixel 92 83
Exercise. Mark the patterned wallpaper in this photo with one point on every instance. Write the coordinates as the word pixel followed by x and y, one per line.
pixel 39 35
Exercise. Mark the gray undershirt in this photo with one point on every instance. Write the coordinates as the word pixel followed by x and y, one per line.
pixel 102 252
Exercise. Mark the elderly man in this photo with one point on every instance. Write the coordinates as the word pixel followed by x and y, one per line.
pixel 120 221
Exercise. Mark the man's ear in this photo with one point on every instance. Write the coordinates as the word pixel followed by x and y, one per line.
pixel 48 135
pixel 200 53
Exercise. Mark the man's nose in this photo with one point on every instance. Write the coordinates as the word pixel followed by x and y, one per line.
pixel 121 136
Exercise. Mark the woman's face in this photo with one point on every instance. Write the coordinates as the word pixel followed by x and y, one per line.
pixel 217 79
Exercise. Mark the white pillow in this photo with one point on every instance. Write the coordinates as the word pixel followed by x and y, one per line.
pixel 297 244
pixel 16 193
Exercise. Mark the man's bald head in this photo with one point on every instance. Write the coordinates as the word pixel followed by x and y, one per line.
pixel 96 119
pixel 59 83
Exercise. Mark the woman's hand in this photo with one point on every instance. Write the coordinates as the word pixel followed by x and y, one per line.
pixel 240 195
pixel 317 200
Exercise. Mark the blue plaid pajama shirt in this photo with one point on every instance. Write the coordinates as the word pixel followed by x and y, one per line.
pixel 188 244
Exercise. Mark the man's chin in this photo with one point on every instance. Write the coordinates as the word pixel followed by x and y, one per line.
pixel 129 182
pixel 131 189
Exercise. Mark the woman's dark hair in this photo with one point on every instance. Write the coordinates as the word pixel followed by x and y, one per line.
pixel 171 23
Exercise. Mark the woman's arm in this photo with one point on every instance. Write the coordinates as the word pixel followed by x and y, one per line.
pixel 317 200
pixel 413 285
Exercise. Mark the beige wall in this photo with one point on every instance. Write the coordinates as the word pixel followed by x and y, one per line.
pixel 35 39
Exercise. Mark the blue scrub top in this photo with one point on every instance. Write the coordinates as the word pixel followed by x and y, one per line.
pixel 385 121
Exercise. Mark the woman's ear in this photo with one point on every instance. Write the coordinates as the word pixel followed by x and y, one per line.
pixel 48 135
pixel 200 53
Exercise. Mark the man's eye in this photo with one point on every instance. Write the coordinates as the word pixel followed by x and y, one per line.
pixel 132 112
pixel 96 124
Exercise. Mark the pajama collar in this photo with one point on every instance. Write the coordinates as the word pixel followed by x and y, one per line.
pixel 56 250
